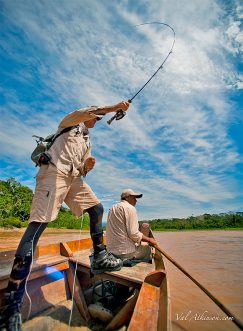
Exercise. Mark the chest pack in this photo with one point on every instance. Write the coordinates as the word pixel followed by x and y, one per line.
pixel 40 153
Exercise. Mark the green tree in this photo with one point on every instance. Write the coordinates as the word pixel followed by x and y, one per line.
pixel 15 200
pixel 6 200
pixel 15 204
pixel 22 202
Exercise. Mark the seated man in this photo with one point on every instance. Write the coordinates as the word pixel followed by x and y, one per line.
pixel 123 236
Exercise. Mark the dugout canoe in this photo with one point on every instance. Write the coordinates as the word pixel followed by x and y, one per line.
pixel 133 298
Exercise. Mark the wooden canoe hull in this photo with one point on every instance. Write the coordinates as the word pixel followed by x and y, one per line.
pixel 52 282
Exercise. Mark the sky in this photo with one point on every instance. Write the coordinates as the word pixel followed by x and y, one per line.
pixel 181 142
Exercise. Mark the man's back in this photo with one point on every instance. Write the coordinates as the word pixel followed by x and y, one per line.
pixel 122 229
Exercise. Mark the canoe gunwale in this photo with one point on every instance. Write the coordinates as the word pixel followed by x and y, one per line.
pixel 61 256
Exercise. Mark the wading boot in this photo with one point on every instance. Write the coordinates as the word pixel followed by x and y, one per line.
pixel 103 261
pixel 10 319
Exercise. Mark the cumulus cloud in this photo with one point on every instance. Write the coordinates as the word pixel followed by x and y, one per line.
pixel 174 143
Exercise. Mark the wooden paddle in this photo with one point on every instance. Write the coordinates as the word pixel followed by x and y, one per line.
pixel 218 303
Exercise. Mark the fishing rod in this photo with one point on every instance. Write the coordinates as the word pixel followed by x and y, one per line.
pixel 121 113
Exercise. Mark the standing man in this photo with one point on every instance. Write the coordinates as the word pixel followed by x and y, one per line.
pixel 59 180
pixel 122 230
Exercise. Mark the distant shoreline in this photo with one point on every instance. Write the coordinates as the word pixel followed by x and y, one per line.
pixel 187 230
pixel 87 231
pixel 46 230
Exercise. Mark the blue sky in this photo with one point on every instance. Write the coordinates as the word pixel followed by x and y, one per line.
pixel 181 142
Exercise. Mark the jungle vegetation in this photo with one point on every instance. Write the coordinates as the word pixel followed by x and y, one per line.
pixel 203 222
pixel 15 203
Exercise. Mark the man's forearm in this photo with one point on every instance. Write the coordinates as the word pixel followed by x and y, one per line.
pixel 136 237
pixel 102 110
pixel 149 240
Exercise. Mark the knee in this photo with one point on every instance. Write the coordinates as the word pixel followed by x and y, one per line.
pixel 145 226
pixel 96 211
pixel 99 209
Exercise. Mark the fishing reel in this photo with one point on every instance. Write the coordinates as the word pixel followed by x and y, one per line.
pixel 118 116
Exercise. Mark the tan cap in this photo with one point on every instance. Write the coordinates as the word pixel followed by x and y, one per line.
pixel 126 193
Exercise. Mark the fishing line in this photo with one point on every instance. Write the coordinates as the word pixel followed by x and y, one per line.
pixel 78 255
pixel 120 113
pixel 75 271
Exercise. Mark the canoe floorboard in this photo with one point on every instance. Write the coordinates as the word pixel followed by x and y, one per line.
pixel 57 319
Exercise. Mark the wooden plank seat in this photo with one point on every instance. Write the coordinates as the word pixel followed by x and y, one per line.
pixel 129 276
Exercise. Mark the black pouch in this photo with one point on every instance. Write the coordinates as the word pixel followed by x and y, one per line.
pixel 45 158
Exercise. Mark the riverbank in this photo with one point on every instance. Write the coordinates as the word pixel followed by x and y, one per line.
pixel 10 237
pixel 47 229
pixel 50 230
pixel 222 221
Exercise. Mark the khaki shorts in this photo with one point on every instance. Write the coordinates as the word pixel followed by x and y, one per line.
pixel 143 252
pixel 53 188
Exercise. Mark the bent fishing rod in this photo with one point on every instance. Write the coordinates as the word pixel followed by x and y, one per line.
pixel 121 113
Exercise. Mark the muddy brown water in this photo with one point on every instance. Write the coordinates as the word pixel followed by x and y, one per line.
pixel 213 258
pixel 10 238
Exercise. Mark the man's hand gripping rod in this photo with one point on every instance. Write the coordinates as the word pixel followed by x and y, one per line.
pixel 118 115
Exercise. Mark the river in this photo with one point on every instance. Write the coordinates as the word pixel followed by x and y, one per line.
pixel 213 258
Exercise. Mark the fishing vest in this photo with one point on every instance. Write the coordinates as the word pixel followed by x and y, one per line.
pixel 70 150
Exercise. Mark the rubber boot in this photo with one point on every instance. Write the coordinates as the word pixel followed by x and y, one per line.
pixel 10 319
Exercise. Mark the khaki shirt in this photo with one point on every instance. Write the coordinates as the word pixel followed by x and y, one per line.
pixel 122 229
pixel 71 149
